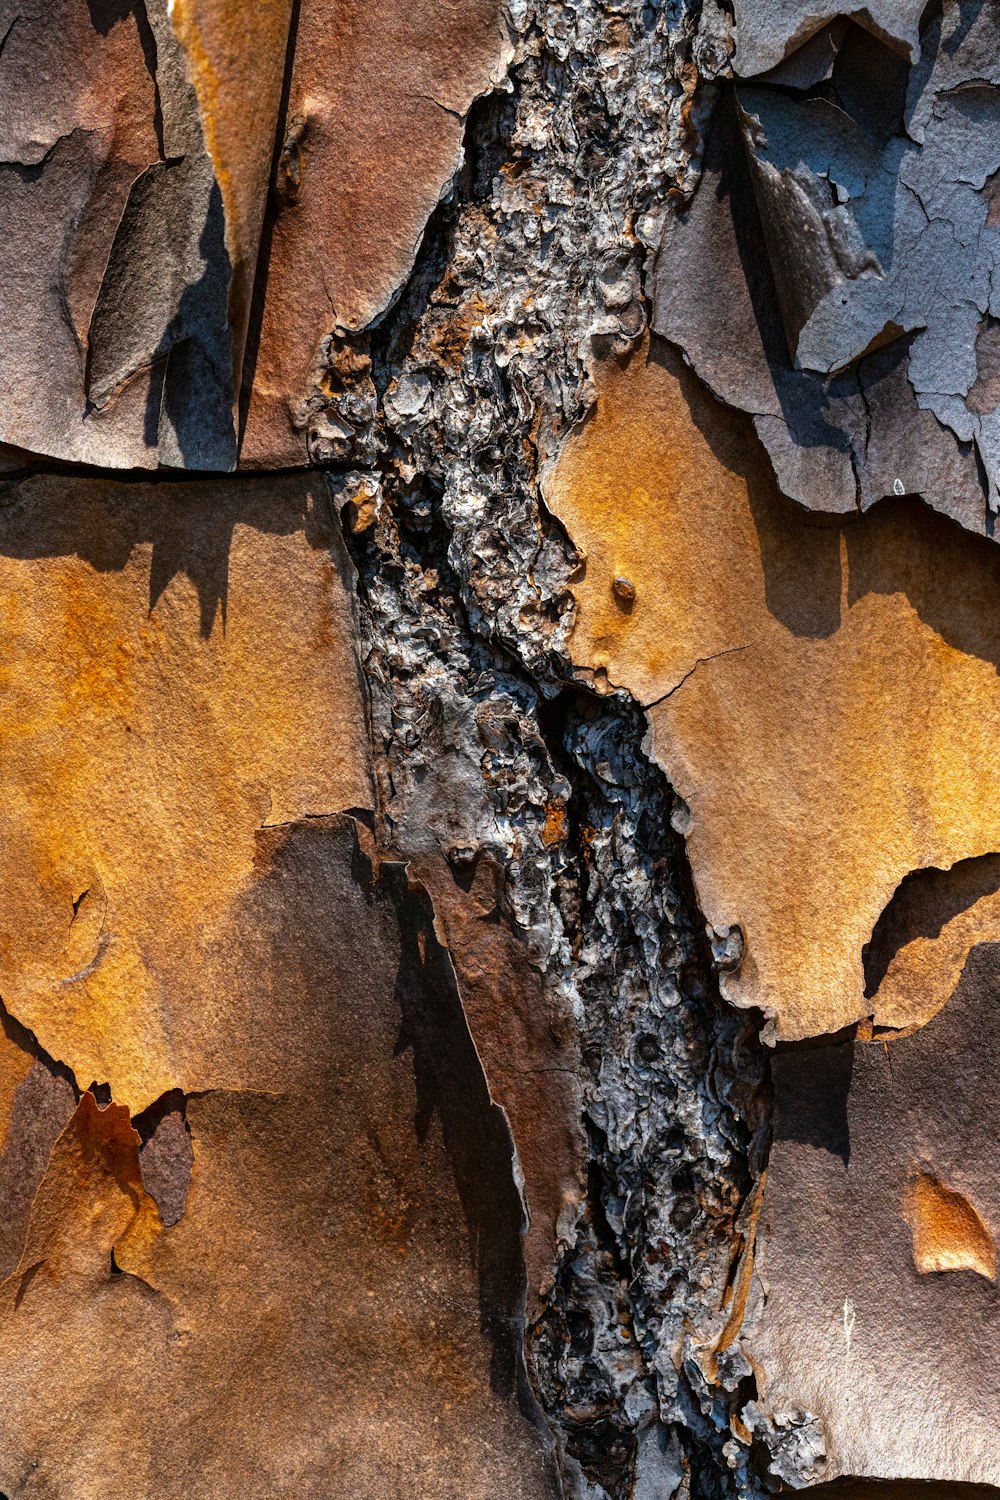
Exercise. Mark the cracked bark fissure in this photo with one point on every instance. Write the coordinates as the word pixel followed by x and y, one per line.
pixel 498 906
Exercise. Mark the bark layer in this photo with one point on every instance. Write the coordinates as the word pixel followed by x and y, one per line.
pixel 495 900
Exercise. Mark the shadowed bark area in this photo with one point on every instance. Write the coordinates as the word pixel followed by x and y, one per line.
pixel 334 1223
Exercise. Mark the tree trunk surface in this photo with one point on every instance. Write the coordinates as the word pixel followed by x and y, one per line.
pixel 500 716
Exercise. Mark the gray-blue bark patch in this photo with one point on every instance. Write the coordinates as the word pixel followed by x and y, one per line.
pixel 837 274
pixel 767 31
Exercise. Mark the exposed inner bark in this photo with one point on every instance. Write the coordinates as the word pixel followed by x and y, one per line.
pixel 388 830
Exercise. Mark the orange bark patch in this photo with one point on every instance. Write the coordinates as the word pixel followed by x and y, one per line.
pixel 178 670
pixel 948 1234
pixel 554 828
pixel 824 696
pixel 236 58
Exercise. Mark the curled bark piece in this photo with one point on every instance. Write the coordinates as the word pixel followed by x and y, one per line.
pixel 856 253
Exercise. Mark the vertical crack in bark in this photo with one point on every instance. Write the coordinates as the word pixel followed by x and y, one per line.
pixel 518 794
pixel 487 748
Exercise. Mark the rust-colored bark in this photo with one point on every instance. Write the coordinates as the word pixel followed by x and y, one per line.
pixel 499 715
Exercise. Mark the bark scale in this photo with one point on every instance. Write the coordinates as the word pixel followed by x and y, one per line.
pixel 498 701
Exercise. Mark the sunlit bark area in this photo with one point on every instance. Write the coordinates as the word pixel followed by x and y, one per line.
pixel 499 715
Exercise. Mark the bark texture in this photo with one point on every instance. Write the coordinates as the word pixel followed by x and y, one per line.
pixel 500 882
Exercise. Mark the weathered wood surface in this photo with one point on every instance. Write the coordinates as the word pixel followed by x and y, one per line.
pixel 499 713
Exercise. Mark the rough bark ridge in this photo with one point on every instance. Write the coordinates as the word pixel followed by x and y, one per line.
pixel 535 260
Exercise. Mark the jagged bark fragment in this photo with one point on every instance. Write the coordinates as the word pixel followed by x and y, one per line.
pixel 530 1056
pixel 768 30
pixel 824 698
pixel 922 939
pixel 132 189
pixel 948 1233
pixel 372 136
pixel 835 275
pixel 875 1310
pixel 337 1310
pixel 178 672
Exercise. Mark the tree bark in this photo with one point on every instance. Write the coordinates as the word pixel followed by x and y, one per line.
pixel 499 706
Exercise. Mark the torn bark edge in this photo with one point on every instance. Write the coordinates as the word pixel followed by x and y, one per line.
pixel 424 953
pixel 473 1130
